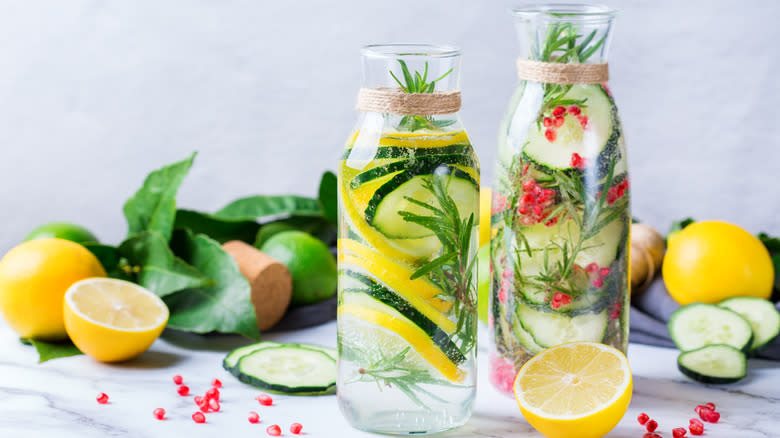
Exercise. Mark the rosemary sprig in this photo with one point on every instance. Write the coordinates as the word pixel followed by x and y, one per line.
pixel 418 83
pixel 395 372
pixel 453 269
pixel 561 45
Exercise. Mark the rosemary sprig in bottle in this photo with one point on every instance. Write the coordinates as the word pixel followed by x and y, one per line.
pixel 453 269
pixel 561 45
pixel 418 83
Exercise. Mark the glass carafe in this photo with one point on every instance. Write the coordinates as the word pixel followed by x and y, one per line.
pixel 408 202
pixel 560 207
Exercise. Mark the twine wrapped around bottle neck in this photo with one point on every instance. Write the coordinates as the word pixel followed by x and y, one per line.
pixel 396 101
pixel 560 73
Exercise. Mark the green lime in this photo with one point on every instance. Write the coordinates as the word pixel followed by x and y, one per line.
pixel 268 230
pixel 483 281
pixel 62 230
pixel 310 262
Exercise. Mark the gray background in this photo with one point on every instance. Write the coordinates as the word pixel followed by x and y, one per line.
pixel 94 94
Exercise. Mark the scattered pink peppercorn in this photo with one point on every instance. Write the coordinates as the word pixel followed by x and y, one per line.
pixel 274 430
pixel 558 122
pixel 604 272
pixel 198 399
pixel 177 379
pixel 696 427
pixel 183 390
pixel 198 417
pixel 295 428
pixel 679 432
pixel 213 405
pixel 212 393
pixel 598 282
pixel 558 111
pixel 216 383
pixel 102 398
pixel 710 405
pixel 651 435
pixel 574 110
pixel 547 122
pixel 712 417
pixel 253 417
pixel 159 413
pixel 549 134
pixel 265 400
pixel 643 418
pixel 651 425
pixel 592 267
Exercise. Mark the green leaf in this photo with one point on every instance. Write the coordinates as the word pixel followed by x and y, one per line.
pixel 268 207
pixel 153 207
pixel 217 228
pixel 154 266
pixel 329 196
pixel 225 307
pixel 52 350
pixel 679 225
pixel 772 243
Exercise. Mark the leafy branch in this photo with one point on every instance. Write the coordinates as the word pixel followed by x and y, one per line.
pixel 418 83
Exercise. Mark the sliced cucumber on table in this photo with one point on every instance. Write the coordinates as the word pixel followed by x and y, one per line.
pixel 288 369
pixel 550 328
pixel 231 360
pixel 599 138
pixel 716 363
pixel 762 315
pixel 698 325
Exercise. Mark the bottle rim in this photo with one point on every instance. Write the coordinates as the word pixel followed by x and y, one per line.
pixel 565 12
pixel 406 50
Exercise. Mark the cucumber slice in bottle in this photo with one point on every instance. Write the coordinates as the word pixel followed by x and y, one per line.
pixel 393 197
pixel 549 329
pixel 698 325
pixel 589 143
pixel 762 315
pixel 288 369
pixel 717 363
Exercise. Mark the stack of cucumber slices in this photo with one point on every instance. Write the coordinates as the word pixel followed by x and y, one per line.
pixel 714 339
pixel 297 369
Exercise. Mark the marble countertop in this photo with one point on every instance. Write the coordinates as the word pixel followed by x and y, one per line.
pixel 57 398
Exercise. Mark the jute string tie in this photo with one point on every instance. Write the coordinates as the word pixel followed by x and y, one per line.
pixel 396 101
pixel 560 73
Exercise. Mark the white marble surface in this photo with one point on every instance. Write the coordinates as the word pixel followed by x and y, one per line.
pixel 57 398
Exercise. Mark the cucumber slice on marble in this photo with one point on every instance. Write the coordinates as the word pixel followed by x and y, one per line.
pixel 717 363
pixel 698 325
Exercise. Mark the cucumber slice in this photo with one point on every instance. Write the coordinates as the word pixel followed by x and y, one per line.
pixel 549 329
pixel 418 165
pixel 717 363
pixel 762 315
pixel 393 197
pixel 524 338
pixel 231 360
pixel 288 369
pixel 697 325
pixel 377 298
pixel 601 132
pixel 546 242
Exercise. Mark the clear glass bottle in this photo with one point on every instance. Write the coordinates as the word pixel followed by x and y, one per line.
pixel 560 207
pixel 408 205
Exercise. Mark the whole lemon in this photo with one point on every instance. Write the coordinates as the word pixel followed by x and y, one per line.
pixel 710 261
pixel 34 277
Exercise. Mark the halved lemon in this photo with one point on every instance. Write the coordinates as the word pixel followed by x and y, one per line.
pixel 113 320
pixel 577 389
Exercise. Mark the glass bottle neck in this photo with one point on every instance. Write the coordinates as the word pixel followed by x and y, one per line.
pixel 574 34
pixel 415 68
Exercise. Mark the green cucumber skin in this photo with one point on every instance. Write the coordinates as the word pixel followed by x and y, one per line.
pixel 424 164
pixel 409 152
pixel 753 348
pixel 260 345
pixel 704 378
pixel 283 389
pixel 745 348
pixel 439 337
pixel 403 177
